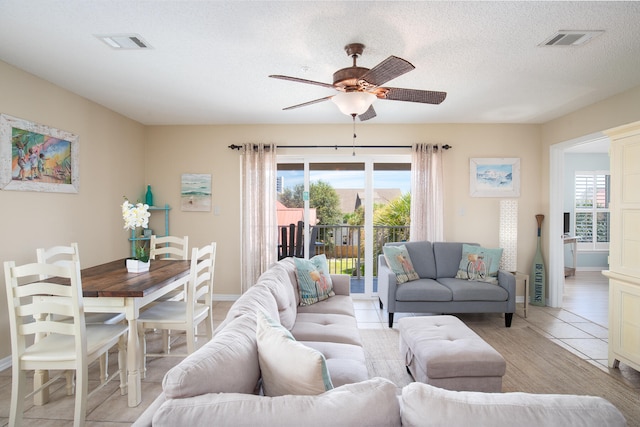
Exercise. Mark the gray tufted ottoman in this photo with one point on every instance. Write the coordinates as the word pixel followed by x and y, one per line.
pixel 443 352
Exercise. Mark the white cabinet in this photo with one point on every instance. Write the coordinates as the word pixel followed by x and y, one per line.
pixel 624 254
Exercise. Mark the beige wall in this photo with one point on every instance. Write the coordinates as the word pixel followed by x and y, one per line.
pixel 111 165
pixel 204 149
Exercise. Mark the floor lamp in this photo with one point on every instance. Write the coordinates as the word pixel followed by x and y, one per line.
pixel 509 234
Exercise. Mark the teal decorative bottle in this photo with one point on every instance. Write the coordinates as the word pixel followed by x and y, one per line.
pixel 148 198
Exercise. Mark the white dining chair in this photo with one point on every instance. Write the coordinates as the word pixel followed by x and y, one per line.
pixel 187 314
pixel 60 344
pixel 62 255
pixel 170 247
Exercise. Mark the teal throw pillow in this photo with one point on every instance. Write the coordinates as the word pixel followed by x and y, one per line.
pixel 479 256
pixel 314 280
pixel 399 261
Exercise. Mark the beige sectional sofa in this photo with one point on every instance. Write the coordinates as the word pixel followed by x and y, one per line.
pixel 220 383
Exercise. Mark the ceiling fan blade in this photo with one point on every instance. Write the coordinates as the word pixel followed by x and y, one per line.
pixel 304 104
pixel 388 69
pixel 414 95
pixel 296 79
pixel 369 114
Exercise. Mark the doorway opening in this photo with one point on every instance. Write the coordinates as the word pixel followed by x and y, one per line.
pixel 593 143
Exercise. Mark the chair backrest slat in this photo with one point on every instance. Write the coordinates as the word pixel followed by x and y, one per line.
pixel 47 327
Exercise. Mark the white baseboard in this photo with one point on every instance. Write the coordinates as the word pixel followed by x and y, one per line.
pixel 225 297
pixel 5 363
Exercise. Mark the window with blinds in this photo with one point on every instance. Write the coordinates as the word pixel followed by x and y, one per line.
pixel 592 210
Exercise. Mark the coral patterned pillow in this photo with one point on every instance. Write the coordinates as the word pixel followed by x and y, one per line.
pixel 399 262
pixel 314 280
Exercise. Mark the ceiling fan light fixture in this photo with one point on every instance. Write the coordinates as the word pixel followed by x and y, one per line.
pixel 351 103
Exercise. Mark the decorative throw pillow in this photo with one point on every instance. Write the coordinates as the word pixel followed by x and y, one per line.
pixel 399 261
pixel 288 366
pixel 477 254
pixel 314 280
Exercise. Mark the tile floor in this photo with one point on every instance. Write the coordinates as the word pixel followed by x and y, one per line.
pixel 581 327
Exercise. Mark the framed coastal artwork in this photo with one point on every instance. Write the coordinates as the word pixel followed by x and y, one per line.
pixel 35 157
pixel 494 177
pixel 196 192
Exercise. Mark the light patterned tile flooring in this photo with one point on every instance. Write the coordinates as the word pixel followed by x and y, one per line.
pixel 580 327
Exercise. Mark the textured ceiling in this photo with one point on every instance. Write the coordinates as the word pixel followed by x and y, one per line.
pixel 210 60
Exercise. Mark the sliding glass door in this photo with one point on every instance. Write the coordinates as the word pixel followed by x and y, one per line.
pixel 344 209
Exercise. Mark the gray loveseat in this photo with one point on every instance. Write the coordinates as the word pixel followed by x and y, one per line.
pixel 438 290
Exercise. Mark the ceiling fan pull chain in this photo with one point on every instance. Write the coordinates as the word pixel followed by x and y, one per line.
pixel 354 134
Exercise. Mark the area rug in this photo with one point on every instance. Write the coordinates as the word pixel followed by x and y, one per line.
pixel 534 365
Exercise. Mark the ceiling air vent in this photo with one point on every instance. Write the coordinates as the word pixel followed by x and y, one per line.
pixel 570 38
pixel 124 41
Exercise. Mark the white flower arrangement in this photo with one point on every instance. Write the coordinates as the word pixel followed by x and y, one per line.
pixel 136 216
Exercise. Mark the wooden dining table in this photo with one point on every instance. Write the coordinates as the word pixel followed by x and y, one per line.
pixel 110 288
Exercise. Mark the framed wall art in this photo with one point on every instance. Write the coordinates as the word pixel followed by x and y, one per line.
pixel 494 177
pixel 35 157
pixel 195 192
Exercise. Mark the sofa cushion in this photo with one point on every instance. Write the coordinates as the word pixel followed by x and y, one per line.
pixel 399 262
pixel 346 362
pixel 491 259
pixel 338 304
pixel 370 403
pixel 314 280
pixel 465 290
pixel 288 266
pixel 227 363
pixel 421 254
pixel 423 404
pixel 257 297
pixel 423 290
pixel 447 256
pixel 327 327
pixel 288 367
pixel 277 280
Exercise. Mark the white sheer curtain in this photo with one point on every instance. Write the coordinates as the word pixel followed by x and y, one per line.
pixel 427 211
pixel 259 229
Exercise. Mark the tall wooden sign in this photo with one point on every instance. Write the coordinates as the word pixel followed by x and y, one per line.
pixel 538 273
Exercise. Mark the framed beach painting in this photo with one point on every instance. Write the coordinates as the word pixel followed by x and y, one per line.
pixel 494 177
pixel 35 157
pixel 196 192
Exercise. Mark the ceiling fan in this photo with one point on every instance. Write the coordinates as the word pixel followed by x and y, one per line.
pixel 358 86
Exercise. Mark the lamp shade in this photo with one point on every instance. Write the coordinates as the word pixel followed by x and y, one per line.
pixel 509 234
pixel 351 103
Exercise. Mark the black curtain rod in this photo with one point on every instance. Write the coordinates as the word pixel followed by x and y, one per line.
pixel 238 147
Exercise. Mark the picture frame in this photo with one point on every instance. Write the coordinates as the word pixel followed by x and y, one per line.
pixel 195 192
pixel 36 157
pixel 494 177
